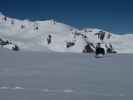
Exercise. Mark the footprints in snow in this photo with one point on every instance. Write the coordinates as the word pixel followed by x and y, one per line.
pixel 43 90
pixel 55 91
pixel 11 88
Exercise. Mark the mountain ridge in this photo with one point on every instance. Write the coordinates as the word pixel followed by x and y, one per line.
pixel 55 36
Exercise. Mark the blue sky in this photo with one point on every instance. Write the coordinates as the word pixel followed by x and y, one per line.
pixel 111 15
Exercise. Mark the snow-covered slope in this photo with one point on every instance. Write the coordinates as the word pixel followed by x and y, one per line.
pixel 55 36
pixel 65 76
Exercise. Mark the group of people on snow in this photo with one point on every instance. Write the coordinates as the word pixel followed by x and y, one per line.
pixel 6 42
pixel 101 35
pixel 88 48
pixel 22 26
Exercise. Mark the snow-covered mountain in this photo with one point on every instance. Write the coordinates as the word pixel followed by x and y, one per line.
pixel 51 35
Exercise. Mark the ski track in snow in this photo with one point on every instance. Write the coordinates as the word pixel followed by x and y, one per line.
pixel 49 91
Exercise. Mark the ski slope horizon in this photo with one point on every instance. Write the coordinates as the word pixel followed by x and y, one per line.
pixel 33 35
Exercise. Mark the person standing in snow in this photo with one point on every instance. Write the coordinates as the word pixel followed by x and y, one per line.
pixel 102 35
pixel 22 26
pixel 110 48
pixel 99 50
pixel 98 34
pixel 109 36
pixel 36 26
pixel 5 18
pixel 49 39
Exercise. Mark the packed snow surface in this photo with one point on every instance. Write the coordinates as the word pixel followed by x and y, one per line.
pixel 64 76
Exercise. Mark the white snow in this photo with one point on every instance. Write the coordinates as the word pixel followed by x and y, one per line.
pixel 24 34
pixel 4 87
pixel 64 76
pixel 68 91
pixel 17 88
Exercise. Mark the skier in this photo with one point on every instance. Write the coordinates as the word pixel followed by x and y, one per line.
pixel 110 49
pixel 5 18
pixel 98 34
pixel 49 39
pixel 70 44
pixel 102 35
pixel 22 26
pixel 100 52
pixel 109 36
pixel 36 26
pixel 88 48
